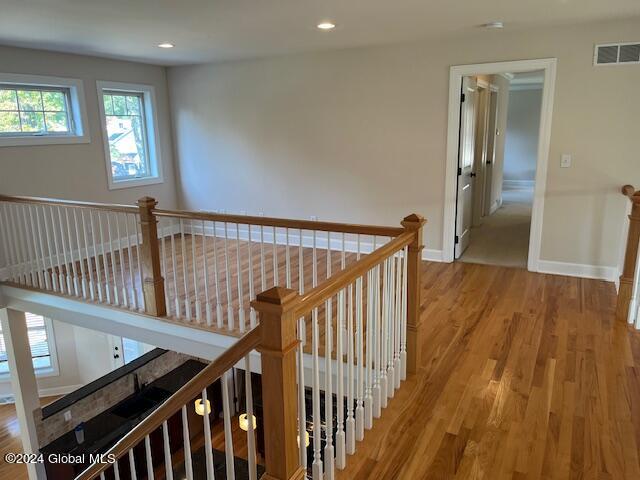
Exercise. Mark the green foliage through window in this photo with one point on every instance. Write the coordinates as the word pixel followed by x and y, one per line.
pixel 28 110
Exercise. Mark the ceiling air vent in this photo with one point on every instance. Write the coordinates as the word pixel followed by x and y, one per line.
pixel 617 53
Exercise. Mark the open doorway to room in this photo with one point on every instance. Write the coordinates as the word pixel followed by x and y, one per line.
pixel 502 140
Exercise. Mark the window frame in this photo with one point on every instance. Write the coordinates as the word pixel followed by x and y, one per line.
pixel 54 369
pixel 76 111
pixel 150 129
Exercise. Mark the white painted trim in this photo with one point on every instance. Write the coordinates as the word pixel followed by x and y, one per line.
pixel 455 80
pixel 518 184
pixel 525 86
pixel 599 272
pixel 151 125
pixel 78 111
pixel 432 255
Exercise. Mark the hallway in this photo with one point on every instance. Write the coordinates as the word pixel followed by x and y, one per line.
pixel 503 237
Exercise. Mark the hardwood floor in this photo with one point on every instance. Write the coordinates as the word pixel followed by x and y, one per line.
pixel 524 376
pixel 10 440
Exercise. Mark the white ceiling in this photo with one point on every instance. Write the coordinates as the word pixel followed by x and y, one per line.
pixel 214 30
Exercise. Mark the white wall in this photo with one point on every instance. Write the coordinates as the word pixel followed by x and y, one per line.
pixel 523 124
pixel 360 134
pixel 78 172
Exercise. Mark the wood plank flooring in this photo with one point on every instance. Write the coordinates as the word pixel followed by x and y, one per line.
pixel 524 376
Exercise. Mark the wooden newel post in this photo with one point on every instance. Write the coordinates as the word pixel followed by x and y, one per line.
pixel 153 283
pixel 279 387
pixel 631 254
pixel 414 223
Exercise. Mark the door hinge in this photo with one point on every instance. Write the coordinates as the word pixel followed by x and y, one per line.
pixel 459 171
pixel 457 239
pixel 463 97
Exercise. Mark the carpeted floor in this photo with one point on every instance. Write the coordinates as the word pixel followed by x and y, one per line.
pixel 503 238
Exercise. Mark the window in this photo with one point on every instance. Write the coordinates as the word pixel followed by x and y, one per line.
pixel 38 110
pixel 129 126
pixel 41 341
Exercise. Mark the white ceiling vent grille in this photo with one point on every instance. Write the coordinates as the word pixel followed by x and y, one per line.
pixel 617 54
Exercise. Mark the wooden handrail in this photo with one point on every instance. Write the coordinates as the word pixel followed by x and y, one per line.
pixel 342 279
pixel 112 207
pixel 283 222
pixel 194 387
pixel 631 250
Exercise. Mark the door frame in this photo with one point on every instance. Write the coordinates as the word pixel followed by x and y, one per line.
pixel 548 65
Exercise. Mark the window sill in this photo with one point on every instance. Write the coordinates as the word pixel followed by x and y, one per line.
pixel 43 140
pixel 135 182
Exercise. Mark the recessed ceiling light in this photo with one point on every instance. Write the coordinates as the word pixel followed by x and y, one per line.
pixel 494 25
pixel 166 45
pixel 326 26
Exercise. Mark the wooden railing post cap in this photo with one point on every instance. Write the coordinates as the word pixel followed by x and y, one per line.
pixel 148 202
pixel 275 300
pixel 414 221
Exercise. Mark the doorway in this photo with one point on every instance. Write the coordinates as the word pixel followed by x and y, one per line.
pixel 494 194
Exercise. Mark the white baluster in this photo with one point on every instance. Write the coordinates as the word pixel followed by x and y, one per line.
pixel 302 407
pixel 132 465
pixel 74 270
pixel 6 243
pixel 17 236
pixel 32 262
pixel 216 278
pixel 368 373
pixel 391 381
pixel 328 391
pixel 340 435
pixel 251 437
pixel 125 293
pixel 360 344
pixel 168 463
pixel 287 256
pixel 116 470
pixel 227 276
pixel 208 451
pixel 185 272
pixel 138 259
pixel 350 423
pixel 83 287
pixel 398 322
pixel 174 266
pixel 403 330
pixel 263 274
pixel 384 308
pixel 134 290
pixel 253 320
pixel 107 286
pixel 91 284
pixel 41 240
pixel 147 450
pixel 186 439
pixel 276 276
pixel 317 421
pixel 228 436
pixel 377 407
pixel 112 257
pixel 303 325
pixel 194 267
pixel 241 313
pixel 208 312
pixel 96 255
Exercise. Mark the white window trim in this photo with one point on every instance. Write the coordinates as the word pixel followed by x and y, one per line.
pixel 78 111
pixel 54 369
pixel 153 137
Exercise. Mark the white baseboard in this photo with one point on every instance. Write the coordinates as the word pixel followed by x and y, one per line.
pixel 55 391
pixel 599 272
pixel 432 255
pixel 496 205
pixel 518 184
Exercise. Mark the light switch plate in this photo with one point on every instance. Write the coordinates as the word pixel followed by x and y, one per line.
pixel 67 416
pixel 565 160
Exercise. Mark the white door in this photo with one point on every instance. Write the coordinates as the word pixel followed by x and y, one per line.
pixel 117 352
pixel 464 213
